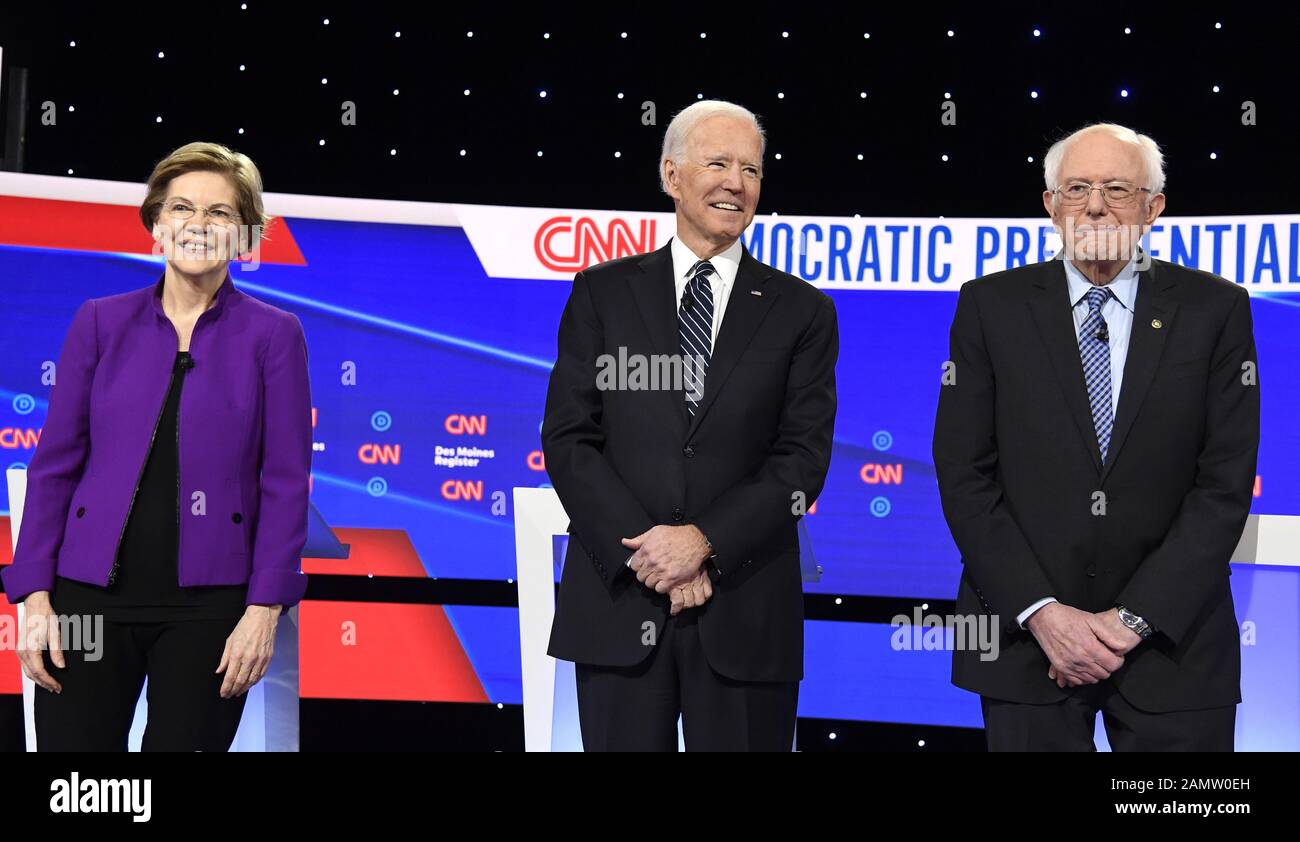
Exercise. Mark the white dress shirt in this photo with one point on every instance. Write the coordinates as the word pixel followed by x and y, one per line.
pixel 725 266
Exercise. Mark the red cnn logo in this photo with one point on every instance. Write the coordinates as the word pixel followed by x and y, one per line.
pixel 455 489
pixel 466 425
pixel 584 244
pixel 873 473
pixel 383 454
pixel 12 438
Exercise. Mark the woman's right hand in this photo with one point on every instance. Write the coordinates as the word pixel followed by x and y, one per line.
pixel 41 629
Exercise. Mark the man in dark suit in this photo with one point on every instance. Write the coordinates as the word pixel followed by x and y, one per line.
pixel 1095 448
pixel 681 591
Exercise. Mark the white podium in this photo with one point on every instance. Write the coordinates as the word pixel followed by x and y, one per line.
pixel 270 721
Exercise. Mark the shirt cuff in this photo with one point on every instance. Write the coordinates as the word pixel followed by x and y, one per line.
pixel 1029 612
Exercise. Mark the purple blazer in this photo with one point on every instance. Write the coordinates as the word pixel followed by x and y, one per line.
pixel 244 446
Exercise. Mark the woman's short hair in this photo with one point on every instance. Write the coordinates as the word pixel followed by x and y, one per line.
pixel 210 157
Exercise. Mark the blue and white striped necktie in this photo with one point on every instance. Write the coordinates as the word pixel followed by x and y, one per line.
pixel 695 323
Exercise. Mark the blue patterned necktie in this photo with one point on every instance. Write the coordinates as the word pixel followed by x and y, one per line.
pixel 695 322
pixel 1096 367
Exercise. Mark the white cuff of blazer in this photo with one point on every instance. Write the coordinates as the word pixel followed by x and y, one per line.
pixel 1029 612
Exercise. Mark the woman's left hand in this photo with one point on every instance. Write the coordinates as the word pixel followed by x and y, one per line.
pixel 248 650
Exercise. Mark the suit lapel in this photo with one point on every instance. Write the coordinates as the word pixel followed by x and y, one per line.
pixel 1144 347
pixel 745 312
pixel 656 297
pixel 1050 305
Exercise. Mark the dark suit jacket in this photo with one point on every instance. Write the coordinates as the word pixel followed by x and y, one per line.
pixel 623 461
pixel 1019 467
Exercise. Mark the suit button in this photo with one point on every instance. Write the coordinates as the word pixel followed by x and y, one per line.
pixel 237 517
pixel 81 511
pixel 677 515
pixel 1091 570
pixel 689 451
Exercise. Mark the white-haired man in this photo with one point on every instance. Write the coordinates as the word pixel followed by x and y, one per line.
pixel 681 591
pixel 1095 452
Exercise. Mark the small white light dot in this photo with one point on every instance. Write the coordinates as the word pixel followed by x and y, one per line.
pixel 395 90
pixel 618 154
pixel 322 142
pixel 866 35
pixel 1215 89
pixel 161 54
pixel 832 735
pixel 1123 92
pixel 243 7
pixel 1128 31
pixel 466 92
pixel 508 582
pixel 920 743
pixel 1033 94
pixel 780 95
pixel 72 108
pixel 1214 156
pixel 778 156
pixel 925 606
pixel 241 131
pixel 699 96
pixel 947 95
pixel 463 153
pixel 704 35
pixel 859 156
pixel 539 153
pixel 838 600
pixel 397 34
pixel 785 34
pixel 1030 159
pixel 500 706
pixel 622 35
pixel 469 34
pixel 324 81
pixel 944 157
pixel 620 94
pixel 157 119
pixel 546 35
pixel 72 44
pixel 241 68
pixel 327 21
pixel 1218 25
pixel 951 33
pixel 70 171
pixel 392 152
pixel 542 94
pixel 1037 33
pixel 862 95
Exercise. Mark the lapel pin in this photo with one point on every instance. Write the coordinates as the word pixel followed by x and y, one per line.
pixel 1157 324
pixel 756 292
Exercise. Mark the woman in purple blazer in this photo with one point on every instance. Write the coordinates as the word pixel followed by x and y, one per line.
pixel 168 493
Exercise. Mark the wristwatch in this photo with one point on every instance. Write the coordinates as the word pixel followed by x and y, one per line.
pixel 1134 622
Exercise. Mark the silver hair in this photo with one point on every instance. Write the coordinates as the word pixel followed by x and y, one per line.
pixel 1152 158
pixel 679 130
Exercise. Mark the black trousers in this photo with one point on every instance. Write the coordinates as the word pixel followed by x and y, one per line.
pixel 636 708
pixel 186 711
pixel 1068 725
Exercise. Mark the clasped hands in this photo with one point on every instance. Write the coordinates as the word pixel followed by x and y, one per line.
pixel 670 559
pixel 1084 648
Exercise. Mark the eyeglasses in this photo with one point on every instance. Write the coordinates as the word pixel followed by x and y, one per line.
pixel 182 210
pixel 1117 194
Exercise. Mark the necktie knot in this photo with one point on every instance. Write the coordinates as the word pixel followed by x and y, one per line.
pixel 1096 297
pixel 702 270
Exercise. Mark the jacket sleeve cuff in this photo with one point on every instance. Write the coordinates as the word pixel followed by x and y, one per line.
pixel 26 578
pixel 276 587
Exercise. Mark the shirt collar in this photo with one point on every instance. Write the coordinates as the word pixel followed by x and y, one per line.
pixel 725 265
pixel 1124 285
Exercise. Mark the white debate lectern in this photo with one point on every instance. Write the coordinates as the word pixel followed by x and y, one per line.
pixel 270 721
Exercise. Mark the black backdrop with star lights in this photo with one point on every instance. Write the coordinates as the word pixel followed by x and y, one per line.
pixel 802 68
pixel 458 106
